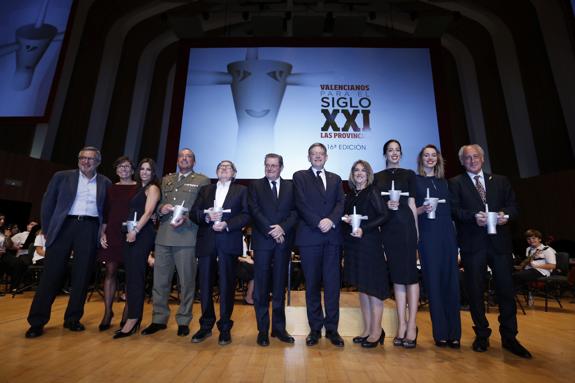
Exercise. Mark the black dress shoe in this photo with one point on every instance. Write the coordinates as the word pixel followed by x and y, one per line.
pixel 201 335
pixel 441 343
pixel 225 338
pixel 411 343
pixel 398 341
pixel 263 339
pixel 74 325
pixel 367 344
pixel 313 338
pixel 334 338
pixel 183 330
pixel 454 343
pixel 480 344
pixel 35 332
pixel 153 328
pixel 359 339
pixel 283 336
pixel 106 324
pixel 512 345
pixel 120 334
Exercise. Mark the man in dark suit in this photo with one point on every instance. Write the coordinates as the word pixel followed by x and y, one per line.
pixel 71 217
pixel 218 245
pixel 470 193
pixel 272 207
pixel 320 204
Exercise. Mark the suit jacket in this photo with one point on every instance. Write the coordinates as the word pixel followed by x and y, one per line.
pixel 267 210
pixel 466 202
pixel 174 192
pixel 229 241
pixel 59 198
pixel 313 204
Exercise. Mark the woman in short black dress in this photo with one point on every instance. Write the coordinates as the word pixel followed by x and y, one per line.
pixel 400 242
pixel 364 262
pixel 139 243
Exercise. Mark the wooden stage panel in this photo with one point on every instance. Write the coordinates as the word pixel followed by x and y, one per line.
pixel 62 356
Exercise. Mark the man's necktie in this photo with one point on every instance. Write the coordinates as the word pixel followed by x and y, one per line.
pixel 480 188
pixel 318 172
pixel 275 189
pixel 180 177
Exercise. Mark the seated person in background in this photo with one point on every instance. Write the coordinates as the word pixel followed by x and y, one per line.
pixel 245 274
pixel 39 249
pixel 245 271
pixel 540 260
pixel 18 260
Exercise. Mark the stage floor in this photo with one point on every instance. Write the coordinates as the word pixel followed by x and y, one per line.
pixel 92 356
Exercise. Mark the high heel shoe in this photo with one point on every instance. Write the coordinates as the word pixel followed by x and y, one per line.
pixel 103 326
pixel 368 344
pixel 397 341
pixel 359 339
pixel 411 343
pixel 122 324
pixel 120 334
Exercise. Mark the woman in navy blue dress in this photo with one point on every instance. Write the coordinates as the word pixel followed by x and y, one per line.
pixel 438 249
pixel 139 243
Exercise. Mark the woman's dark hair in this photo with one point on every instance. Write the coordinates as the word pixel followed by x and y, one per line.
pixel 154 178
pixel 387 144
pixel 533 233
pixel 121 160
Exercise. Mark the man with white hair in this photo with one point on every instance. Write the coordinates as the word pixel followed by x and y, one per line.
pixel 471 193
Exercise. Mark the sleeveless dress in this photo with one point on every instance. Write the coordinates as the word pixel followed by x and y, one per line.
pixel 136 256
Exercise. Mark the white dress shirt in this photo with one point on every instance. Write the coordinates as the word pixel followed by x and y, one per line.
pixel 222 189
pixel 541 255
pixel 85 201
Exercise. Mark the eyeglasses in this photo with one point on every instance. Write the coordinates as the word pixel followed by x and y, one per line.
pixel 83 158
pixel 124 167
pixel 225 166
pixel 271 166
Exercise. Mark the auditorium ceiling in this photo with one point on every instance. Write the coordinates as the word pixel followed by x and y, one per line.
pixel 504 68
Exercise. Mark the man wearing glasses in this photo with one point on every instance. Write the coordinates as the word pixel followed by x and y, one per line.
pixel 221 211
pixel 71 217
pixel 272 207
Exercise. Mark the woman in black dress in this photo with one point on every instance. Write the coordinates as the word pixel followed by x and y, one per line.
pixel 139 243
pixel 116 205
pixel 364 262
pixel 400 242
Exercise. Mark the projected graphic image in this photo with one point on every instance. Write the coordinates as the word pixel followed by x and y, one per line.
pixel 241 103
pixel 31 32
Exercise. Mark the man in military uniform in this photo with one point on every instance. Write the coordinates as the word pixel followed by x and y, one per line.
pixel 176 245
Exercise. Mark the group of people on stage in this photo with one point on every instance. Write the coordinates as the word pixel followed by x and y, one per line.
pixel 200 232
